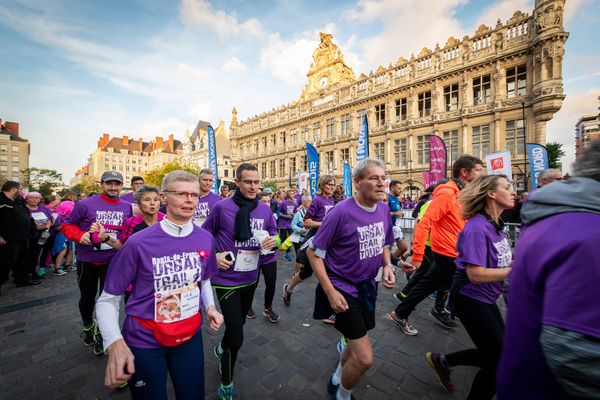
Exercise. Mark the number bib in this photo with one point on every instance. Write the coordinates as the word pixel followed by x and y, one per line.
pixel 246 260
pixel 176 305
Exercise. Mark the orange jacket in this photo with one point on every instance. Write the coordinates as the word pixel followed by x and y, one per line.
pixel 443 219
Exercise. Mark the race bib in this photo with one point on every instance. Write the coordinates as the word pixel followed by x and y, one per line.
pixel 176 305
pixel 39 217
pixel 106 246
pixel 246 260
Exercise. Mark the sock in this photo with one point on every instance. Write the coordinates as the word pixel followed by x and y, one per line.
pixel 336 379
pixel 230 386
pixel 343 393
pixel 444 362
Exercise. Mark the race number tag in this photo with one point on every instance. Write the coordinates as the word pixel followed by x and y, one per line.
pixel 246 260
pixel 106 246
pixel 176 305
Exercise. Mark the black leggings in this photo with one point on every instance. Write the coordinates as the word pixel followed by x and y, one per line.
pixel 88 277
pixel 484 325
pixel 440 300
pixel 34 255
pixel 234 303
pixel 270 273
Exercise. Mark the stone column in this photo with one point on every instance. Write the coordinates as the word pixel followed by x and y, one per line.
pixel 497 122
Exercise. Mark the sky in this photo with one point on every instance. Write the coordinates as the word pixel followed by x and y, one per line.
pixel 74 69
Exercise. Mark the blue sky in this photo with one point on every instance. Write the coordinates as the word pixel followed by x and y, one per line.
pixel 73 70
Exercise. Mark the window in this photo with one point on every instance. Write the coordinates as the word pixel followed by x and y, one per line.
pixel 274 140
pixel 272 169
pixel 401 110
pixel 282 138
pixel 263 170
pixel 294 138
pixel 303 163
pixel 264 144
pixel 256 146
pixel 226 173
pixel 3 168
pixel 331 128
pixel 345 155
pixel 359 119
pixel 15 149
pixel 282 171
pixel 3 147
pixel 329 165
pixel 380 114
pixel 481 141
pixel 451 142
pixel 516 81
pixel 482 92
pixel 423 149
pixel 304 133
pixel 451 97
pixel 293 165
pixel 345 125
pixel 15 169
pixel 316 132
pixel 15 158
pixel 424 101
pixel 3 158
pixel 399 152
pixel 380 151
pixel 515 136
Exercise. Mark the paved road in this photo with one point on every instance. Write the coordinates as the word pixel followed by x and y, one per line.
pixel 42 356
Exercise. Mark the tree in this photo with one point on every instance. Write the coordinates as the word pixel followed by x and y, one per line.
pixel 42 180
pixel 555 153
pixel 156 175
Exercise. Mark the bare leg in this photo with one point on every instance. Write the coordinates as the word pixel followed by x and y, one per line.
pixel 295 281
pixel 356 360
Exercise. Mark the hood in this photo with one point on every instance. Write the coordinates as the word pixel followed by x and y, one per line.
pixel 575 194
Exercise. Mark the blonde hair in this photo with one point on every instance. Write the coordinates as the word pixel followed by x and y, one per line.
pixel 323 180
pixel 473 198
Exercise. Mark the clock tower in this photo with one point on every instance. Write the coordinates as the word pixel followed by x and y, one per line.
pixel 327 70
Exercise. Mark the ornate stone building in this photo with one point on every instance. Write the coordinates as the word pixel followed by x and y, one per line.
pixel 489 92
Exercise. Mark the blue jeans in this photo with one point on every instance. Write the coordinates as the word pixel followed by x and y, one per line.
pixel 185 364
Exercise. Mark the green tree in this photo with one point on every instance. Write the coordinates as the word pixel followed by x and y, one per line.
pixel 42 180
pixel 555 153
pixel 156 175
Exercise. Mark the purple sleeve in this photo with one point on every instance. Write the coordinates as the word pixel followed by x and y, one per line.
pixel 472 247
pixel 312 209
pixel 122 269
pixel 77 215
pixel 327 231
pixel 389 234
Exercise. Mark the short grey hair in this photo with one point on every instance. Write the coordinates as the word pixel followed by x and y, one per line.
pixel 587 165
pixel 205 171
pixel 306 197
pixel 178 176
pixel 548 171
pixel 361 167
pixel 143 189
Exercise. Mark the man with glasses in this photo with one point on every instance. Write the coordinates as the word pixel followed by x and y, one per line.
pixel 136 184
pixel 243 228
pixel 549 175
pixel 207 199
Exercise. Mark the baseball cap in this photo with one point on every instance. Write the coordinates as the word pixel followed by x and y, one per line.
pixel 111 176
pixel 268 190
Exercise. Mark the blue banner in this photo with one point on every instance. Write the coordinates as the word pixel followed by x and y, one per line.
pixel 312 158
pixel 212 157
pixel 362 150
pixel 538 161
pixel 347 183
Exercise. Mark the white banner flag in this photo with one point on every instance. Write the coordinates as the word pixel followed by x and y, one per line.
pixel 499 164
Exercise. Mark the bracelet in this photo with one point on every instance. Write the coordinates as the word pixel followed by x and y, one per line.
pixel 106 240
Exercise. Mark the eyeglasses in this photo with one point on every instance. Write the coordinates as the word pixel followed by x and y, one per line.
pixel 183 195
pixel 249 182
pixel 330 184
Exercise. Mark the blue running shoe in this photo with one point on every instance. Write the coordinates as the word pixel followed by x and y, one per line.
pixel 225 392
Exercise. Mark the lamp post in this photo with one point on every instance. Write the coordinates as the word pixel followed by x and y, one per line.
pixel 523 103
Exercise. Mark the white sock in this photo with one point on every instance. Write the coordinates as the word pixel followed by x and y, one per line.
pixel 343 393
pixel 336 379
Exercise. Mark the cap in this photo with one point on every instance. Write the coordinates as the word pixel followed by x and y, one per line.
pixel 268 190
pixel 111 176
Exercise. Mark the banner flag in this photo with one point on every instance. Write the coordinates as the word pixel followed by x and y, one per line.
pixel 312 158
pixel 437 158
pixel 538 161
pixel 362 150
pixel 347 180
pixel 427 179
pixel 499 164
pixel 302 181
pixel 212 157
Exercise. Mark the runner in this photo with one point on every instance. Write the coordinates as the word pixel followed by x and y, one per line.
pixel 207 198
pixel 320 206
pixel 242 227
pixel 162 331
pixel 43 220
pixel 136 183
pixel 93 255
pixel 396 214
pixel 483 262
pixel 284 222
pixel 444 219
pixel 147 199
pixel 224 191
pixel 347 253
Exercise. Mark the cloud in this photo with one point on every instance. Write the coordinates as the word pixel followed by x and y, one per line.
pixel 234 65
pixel 201 13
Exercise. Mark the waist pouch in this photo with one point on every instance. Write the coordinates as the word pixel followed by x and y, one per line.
pixel 173 333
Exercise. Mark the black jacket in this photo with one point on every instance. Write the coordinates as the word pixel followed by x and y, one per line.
pixel 16 223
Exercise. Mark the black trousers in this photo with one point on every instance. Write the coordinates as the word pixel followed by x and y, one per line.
pixel 34 255
pixel 15 257
pixel 440 300
pixel 483 322
pixel 234 303
pixel 439 276
pixel 270 274
pixel 89 277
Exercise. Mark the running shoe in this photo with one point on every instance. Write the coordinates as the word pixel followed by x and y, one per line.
pixel 88 335
pixel 403 324
pixel 331 388
pixel 443 318
pixel 287 257
pixel 225 392
pixel 59 272
pixel 98 345
pixel 341 344
pixel 400 296
pixel 286 296
pixel 433 296
pixel 251 314
pixel 442 373
pixel 271 315
pixel 330 320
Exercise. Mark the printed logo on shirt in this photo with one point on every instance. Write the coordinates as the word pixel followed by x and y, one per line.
pixel 202 211
pixel 371 238
pixel 327 208
pixel 114 218
pixel 256 224
pixel 504 253
pixel 176 271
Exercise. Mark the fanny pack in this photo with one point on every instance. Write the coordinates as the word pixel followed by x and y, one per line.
pixel 172 333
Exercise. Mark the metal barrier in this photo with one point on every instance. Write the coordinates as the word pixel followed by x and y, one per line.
pixel 512 231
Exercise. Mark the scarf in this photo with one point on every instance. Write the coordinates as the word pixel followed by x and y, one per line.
pixel 242 230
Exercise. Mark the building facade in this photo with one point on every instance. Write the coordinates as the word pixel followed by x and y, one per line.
pixel 14 152
pixel 490 92
pixel 195 149
pixel 586 130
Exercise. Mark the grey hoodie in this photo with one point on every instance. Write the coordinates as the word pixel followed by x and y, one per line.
pixel 573 195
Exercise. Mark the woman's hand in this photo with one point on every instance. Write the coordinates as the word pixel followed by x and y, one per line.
pixel 215 318
pixel 222 262
pixel 120 367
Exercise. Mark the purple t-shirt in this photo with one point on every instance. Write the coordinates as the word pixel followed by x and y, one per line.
pixel 158 265
pixel 354 239
pixel 221 223
pixel 128 197
pixel 40 215
pixel 554 281
pixel 480 244
pixel 55 228
pixel 319 207
pixel 285 207
pixel 298 199
pixel 111 215
pixel 205 204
